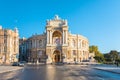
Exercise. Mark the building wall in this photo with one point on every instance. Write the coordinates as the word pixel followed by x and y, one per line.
pixel 9 45
pixel 78 48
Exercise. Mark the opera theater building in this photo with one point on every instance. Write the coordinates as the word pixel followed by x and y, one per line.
pixel 55 45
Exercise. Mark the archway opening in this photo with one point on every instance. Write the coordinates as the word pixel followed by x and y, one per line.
pixel 56 56
pixel 57 38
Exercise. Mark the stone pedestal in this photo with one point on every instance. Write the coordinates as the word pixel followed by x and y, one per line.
pixel 48 61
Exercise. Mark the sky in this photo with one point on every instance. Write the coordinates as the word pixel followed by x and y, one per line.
pixel 98 20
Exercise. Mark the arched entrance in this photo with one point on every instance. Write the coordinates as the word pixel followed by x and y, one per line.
pixel 56 56
pixel 57 38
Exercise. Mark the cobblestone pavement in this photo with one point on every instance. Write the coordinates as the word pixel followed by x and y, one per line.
pixel 59 72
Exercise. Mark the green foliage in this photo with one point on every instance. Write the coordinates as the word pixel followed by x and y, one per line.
pixel 93 49
pixel 108 60
pixel 107 57
pixel 98 56
pixel 112 57
pixel 117 60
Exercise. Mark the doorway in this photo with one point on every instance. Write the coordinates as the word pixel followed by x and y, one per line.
pixel 56 56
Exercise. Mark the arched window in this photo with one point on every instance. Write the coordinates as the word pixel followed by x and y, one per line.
pixel 69 55
pixel 74 52
pixel 40 43
pixel 40 53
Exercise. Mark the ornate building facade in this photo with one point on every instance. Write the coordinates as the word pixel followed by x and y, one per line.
pixel 9 45
pixel 57 44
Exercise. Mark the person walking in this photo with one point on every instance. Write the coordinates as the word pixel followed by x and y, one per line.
pixel 117 64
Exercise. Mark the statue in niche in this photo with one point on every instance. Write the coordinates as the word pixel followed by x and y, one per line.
pixel 57 40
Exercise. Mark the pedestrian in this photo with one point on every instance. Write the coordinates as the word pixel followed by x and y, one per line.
pixel 117 64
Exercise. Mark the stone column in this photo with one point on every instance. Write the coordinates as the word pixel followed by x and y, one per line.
pixel 50 37
pixel 78 56
pixel 66 36
pixel 47 37
pixel 81 44
pixel 60 57
pixel 32 45
pixel 35 43
pixel 63 36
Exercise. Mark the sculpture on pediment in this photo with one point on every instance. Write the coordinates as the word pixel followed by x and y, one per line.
pixel 66 23
pixel 56 17
pixel 47 22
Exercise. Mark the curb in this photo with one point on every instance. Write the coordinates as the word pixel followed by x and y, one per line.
pixel 107 70
pixel 10 70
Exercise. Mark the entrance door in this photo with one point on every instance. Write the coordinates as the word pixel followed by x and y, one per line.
pixel 56 57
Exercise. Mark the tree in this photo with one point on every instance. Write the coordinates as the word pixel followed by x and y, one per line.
pixel 114 55
pixel 107 57
pixel 98 56
pixel 93 49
